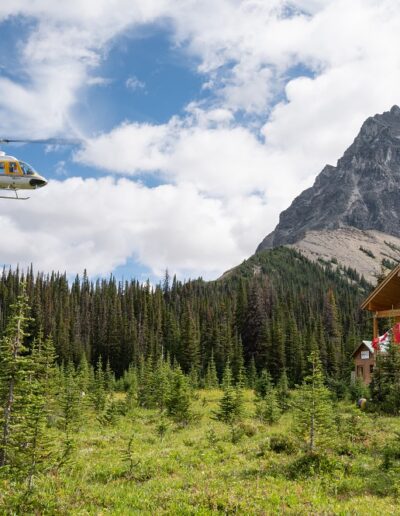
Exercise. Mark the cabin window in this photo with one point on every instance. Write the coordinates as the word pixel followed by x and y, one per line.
pixel 12 167
pixel 371 368
pixel 364 355
pixel 360 371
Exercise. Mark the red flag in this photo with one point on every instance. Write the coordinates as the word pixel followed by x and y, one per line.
pixel 396 333
pixel 375 343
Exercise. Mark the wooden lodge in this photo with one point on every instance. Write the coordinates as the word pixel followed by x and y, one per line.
pixel 383 302
pixel 364 361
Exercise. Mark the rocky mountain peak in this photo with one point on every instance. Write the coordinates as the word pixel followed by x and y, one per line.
pixel 362 191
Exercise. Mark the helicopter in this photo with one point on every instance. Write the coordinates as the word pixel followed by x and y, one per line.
pixel 16 174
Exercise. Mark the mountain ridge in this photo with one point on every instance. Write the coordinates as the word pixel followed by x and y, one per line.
pixel 362 191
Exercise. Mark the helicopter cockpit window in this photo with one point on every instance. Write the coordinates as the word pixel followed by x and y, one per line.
pixel 27 169
pixel 2 167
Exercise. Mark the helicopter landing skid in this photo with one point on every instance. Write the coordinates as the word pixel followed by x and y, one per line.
pixel 16 198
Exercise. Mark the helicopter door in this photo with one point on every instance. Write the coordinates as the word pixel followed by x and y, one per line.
pixel 13 168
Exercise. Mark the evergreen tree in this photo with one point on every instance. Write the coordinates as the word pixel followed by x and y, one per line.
pixel 130 381
pixel 267 409
pixel 147 383
pixel 211 378
pixel 231 404
pixel 282 392
pixel 190 343
pixel 99 393
pixel 84 376
pixel 385 385
pixel 15 367
pixel 178 399
pixel 263 385
pixel 69 396
pixel 161 384
pixel 334 335
pixel 252 374
pixel 313 415
pixel 39 407
pixel 109 377
pixel 238 370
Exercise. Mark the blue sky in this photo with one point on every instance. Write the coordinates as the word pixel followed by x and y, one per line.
pixel 168 81
pixel 200 122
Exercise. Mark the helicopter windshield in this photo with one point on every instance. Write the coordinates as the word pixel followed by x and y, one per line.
pixel 27 169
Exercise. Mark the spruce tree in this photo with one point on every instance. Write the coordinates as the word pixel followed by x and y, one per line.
pixel 282 391
pixel 178 399
pixel 252 373
pixel 267 409
pixel 263 385
pixel 190 342
pixel 99 392
pixel 161 384
pixel 147 383
pixel 15 367
pixel 211 378
pixel 130 380
pixel 109 377
pixel 237 360
pixel 38 447
pixel 385 386
pixel 313 414
pixel 69 399
pixel 83 375
pixel 230 407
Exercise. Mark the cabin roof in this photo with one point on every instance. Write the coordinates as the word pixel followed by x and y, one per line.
pixel 386 295
pixel 366 343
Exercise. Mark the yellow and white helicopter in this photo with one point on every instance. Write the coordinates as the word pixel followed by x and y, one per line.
pixel 18 175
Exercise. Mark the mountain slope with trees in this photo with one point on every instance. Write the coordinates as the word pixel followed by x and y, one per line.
pixel 269 312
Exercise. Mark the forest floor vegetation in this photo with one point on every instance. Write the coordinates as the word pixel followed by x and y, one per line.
pixel 142 462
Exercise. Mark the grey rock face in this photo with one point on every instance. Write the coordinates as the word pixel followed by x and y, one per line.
pixel 362 191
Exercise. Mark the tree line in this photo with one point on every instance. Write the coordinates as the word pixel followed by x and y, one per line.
pixel 269 313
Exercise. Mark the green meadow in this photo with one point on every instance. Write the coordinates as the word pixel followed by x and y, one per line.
pixel 141 462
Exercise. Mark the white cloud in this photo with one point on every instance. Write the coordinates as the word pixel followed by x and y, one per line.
pixel 99 81
pixel 134 84
pixel 217 158
pixel 98 223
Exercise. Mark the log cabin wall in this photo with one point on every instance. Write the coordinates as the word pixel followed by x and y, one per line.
pixel 364 363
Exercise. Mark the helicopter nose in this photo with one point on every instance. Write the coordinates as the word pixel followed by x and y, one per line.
pixel 38 182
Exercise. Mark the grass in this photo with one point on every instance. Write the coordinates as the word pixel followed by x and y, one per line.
pixel 201 469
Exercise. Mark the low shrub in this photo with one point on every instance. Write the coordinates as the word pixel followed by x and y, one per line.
pixel 249 429
pixel 391 452
pixel 236 433
pixel 280 443
pixel 310 464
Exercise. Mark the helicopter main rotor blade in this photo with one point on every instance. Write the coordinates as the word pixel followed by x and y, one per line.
pixel 47 141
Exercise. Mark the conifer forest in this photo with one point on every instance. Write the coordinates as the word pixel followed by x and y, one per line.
pixel 223 397
pixel 268 320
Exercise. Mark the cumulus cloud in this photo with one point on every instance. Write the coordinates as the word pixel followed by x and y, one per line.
pixel 99 223
pixel 217 158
